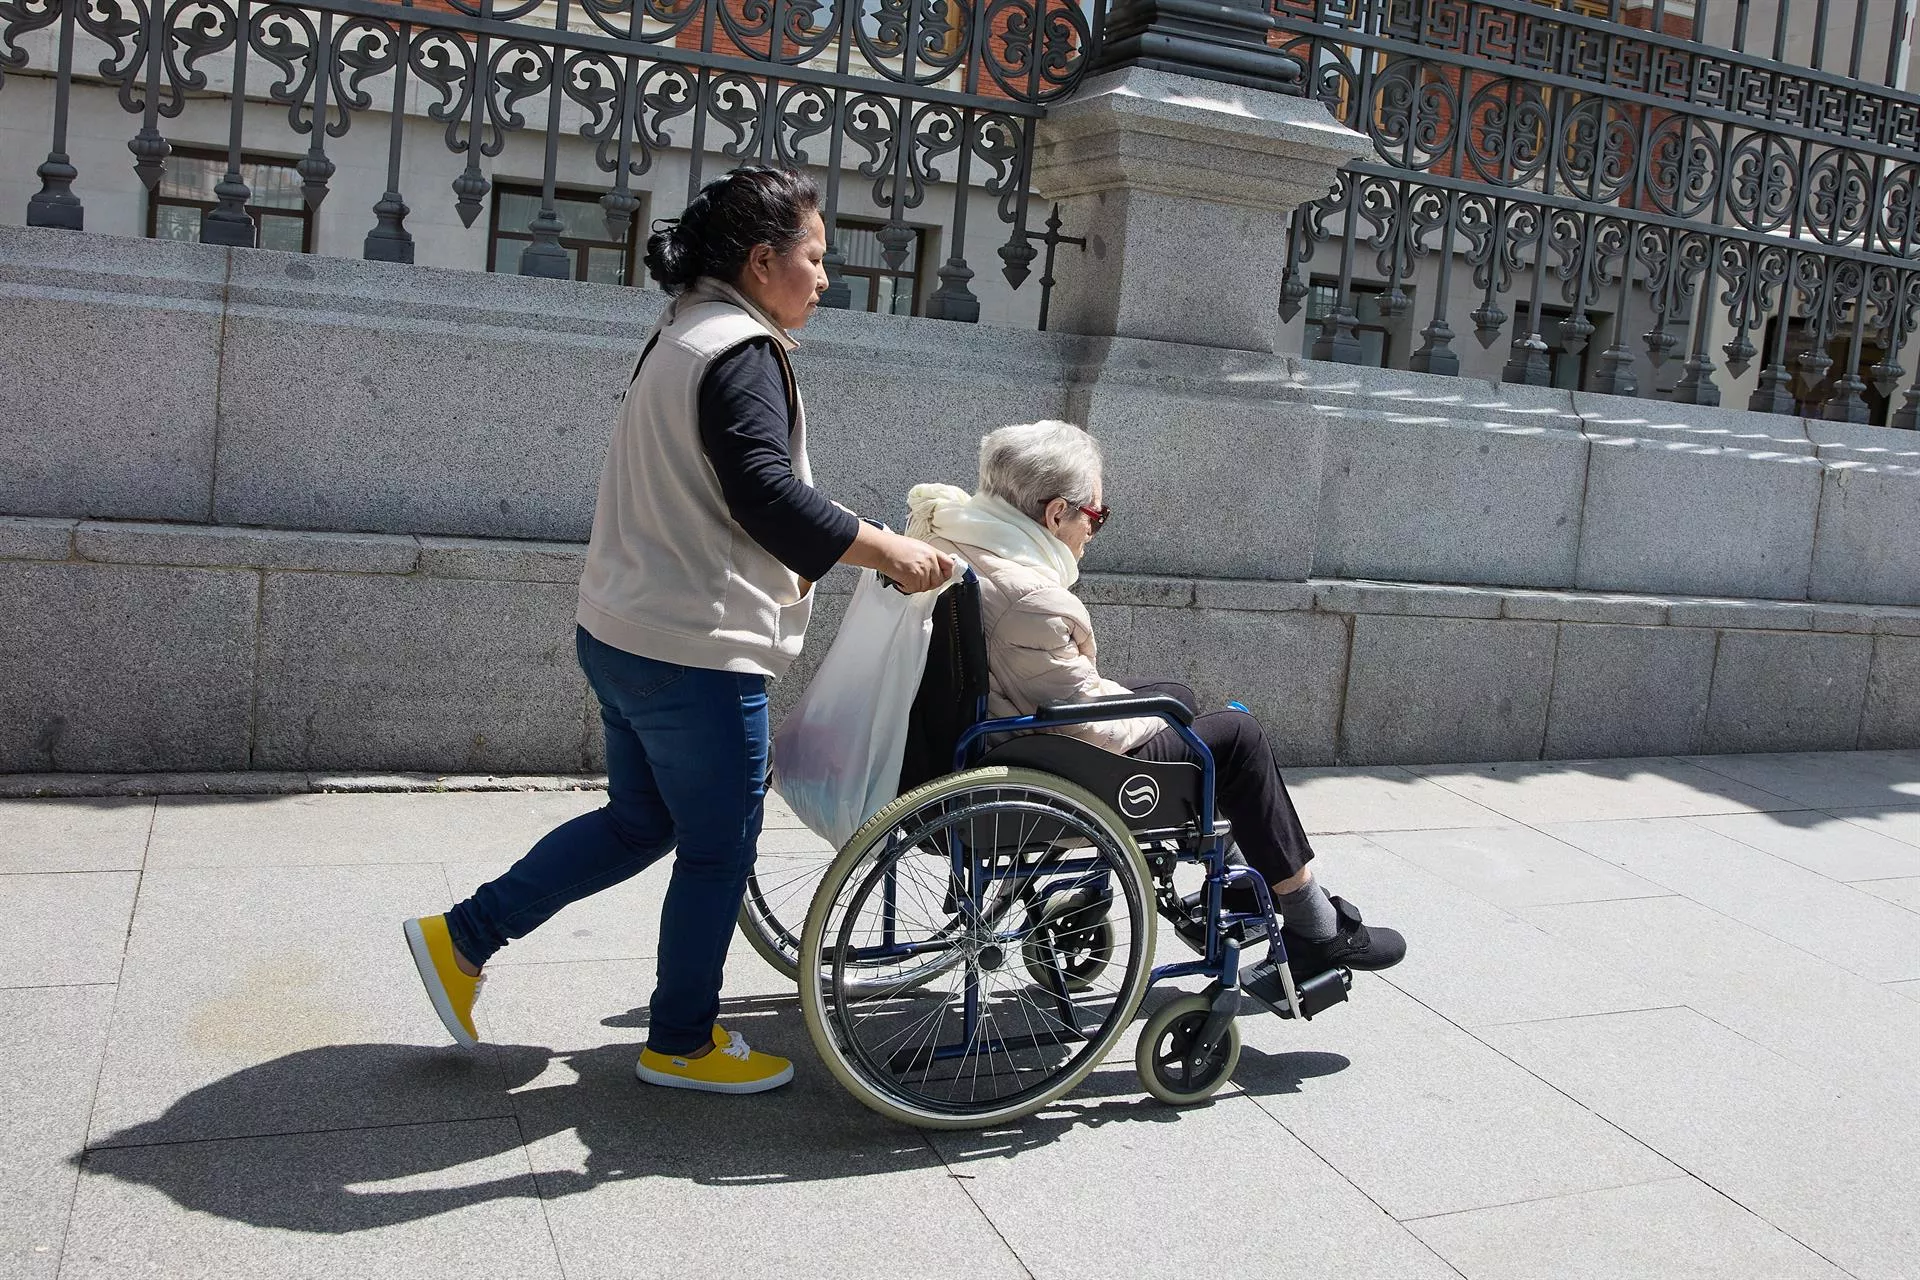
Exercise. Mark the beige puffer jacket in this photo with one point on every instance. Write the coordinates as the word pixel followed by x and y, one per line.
pixel 1040 648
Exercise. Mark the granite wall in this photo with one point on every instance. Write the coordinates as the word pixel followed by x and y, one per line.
pixel 285 512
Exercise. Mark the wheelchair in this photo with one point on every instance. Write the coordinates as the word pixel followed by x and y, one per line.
pixel 981 944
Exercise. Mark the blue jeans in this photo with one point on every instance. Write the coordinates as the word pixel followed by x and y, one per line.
pixel 686 771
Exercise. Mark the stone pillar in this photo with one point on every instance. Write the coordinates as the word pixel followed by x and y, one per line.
pixel 1180 159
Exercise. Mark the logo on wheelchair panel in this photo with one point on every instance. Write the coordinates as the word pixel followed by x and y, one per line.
pixel 1139 796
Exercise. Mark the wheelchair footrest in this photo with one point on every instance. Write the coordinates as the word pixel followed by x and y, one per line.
pixel 1316 995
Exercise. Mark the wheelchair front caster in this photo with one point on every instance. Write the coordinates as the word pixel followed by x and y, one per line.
pixel 1169 1065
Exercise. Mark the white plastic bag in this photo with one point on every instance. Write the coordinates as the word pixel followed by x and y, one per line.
pixel 836 758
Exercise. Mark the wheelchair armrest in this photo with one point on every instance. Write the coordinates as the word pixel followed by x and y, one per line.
pixel 1116 706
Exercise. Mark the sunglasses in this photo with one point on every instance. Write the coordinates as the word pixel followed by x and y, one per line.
pixel 1096 516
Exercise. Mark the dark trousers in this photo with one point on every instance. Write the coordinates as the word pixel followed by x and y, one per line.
pixel 1248 789
pixel 686 774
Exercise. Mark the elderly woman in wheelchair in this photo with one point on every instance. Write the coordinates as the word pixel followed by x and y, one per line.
pixel 983 942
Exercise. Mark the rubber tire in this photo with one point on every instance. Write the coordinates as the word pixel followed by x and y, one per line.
pixel 1164 1017
pixel 813 1002
pixel 763 945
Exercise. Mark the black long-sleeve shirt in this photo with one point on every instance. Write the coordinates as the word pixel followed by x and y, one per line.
pixel 746 423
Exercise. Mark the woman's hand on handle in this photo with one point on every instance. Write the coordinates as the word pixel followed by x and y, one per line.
pixel 908 562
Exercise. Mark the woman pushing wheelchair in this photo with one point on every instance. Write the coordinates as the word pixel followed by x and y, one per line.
pixel 1024 530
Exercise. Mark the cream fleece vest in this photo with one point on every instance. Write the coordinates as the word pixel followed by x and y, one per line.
pixel 669 574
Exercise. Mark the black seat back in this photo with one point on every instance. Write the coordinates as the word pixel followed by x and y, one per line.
pixel 1148 795
pixel 948 701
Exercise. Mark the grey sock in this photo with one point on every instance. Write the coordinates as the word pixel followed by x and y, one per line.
pixel 1308 912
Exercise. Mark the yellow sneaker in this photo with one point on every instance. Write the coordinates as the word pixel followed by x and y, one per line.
pixel 731 1067
pixel 452 991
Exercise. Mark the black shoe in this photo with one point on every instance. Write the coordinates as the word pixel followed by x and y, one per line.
pixel 1353 946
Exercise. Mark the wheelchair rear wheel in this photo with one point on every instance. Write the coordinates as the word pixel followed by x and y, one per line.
pixel 774 911
pixel 944 997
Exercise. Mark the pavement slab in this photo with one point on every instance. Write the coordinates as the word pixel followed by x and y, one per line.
pixel 1426 1119
pixel 1379 799
pixel 1904 892
pixel 1468 960
pixel 1833 846
pixel 1678 1227
pixel 1815 1014
pixel 74 835
pixel 1774 1136
pixel 282 1000
pixel 51 1039
pixel 1826 779
pixel 66 929
pixel 1591 790
pixel 413 1200
pixel 1837 922
pixel 1516 866
pixel 344 830
pixel 1094 1188
pixel 1658 1018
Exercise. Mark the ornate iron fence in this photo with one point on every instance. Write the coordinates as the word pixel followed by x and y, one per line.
pixel 1599 160
pixel 908 92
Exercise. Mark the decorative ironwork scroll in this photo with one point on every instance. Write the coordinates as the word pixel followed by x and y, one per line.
pixel 1601 158
pixel 900 94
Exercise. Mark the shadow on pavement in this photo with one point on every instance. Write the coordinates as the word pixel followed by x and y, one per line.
pixel 360 1136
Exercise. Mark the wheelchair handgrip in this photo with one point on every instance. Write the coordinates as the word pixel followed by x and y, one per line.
pixel 1118 706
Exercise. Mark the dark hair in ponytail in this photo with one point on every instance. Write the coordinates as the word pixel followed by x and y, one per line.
pixel 719 228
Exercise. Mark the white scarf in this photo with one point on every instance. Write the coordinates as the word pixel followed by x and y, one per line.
pixel 991 524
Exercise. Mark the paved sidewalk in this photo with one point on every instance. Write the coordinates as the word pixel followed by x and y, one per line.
pixel 1660 1019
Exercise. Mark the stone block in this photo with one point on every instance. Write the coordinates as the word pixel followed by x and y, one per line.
pixel 501 560
pixel 1264 597
pixel 1240 501
pixel 1127 588
pixel 1863 442
pixel 1434 499
pixel 1866 549
pixel 1855 618
pixel 1571 606
pixel 1628 691
pixel 216 546
pixel 1778 691
pixel 1406 599
pixel 116 667
pixel 1446 689
pixel 31 538
pixel 1892 715
pixel 1746 615
pixel 418 673
pixel 1684 425
pixel 357 395
pixel 1896 622
pixel 1401 395
pixel 1675 518
pixel 872 438
pixel 115 348
pixel 1288 668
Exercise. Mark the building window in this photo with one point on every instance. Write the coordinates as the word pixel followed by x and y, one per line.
pixel 281 219
pixel 592 253
pixel 1372 328
pixel 1569 368
pixel 875 285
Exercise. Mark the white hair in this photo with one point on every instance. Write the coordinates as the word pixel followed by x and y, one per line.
pixel 1031 464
